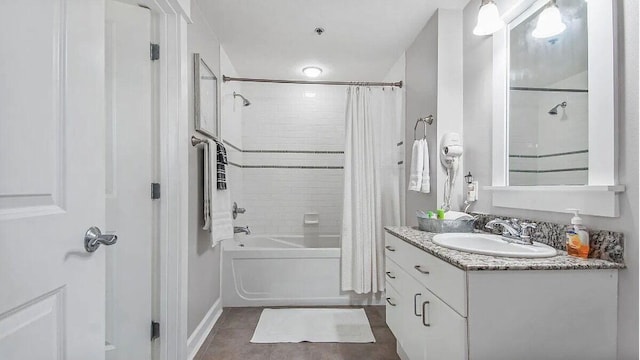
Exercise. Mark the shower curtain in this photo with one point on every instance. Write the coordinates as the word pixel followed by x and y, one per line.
pixel 371 185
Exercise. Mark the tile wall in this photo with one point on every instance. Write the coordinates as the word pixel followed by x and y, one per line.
pixel 291 158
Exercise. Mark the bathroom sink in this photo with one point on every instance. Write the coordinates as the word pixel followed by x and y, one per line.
pixel 488 244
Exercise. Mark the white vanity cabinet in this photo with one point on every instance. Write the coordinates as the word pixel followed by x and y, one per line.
pixel 439 311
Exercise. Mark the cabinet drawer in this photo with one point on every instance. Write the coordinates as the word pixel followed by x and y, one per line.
pixel 443 279
pixel 394 311
pixel 394 275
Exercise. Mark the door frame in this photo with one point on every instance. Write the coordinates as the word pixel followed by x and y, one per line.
pixel 170 119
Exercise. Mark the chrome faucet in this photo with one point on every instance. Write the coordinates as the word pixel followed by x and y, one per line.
pixel 514 230
pixel 242 229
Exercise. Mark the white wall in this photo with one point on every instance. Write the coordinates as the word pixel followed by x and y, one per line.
pixel 478 58
pixel 398 73
pixel 421 100
pixel 203 260
pixel 282 118
pixel 434 86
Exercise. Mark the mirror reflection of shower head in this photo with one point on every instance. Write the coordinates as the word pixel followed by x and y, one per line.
pixel 245 102
pixel 554 110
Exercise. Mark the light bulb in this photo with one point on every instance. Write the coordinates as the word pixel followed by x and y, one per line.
pixel 549 23
pixel 489 20
pixel 312 71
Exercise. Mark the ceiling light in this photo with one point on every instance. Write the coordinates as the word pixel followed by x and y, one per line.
pixel 312 71
pixel 549 22
pixel 309 94
pixel 489 20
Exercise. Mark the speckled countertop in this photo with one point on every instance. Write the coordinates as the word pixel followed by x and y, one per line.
pixel 473 262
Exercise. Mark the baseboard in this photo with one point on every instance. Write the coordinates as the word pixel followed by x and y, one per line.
pixel 199 335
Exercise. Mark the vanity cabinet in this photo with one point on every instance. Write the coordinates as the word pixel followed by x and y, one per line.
pixel 439 311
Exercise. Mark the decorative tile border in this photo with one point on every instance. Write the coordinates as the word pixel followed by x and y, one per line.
pixel 524 88
pixel 284 151
pixel 548 170
pixel 285 167
pixel 549 155
pixel 605 245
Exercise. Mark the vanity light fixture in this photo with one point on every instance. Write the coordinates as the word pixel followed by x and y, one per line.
pixel 549 22
pixel 312 71
pixel 489 20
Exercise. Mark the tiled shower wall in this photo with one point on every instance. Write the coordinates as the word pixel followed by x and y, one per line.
pixel 292 158
pixel 549 149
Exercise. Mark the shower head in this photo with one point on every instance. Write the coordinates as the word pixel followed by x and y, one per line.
pixel 245 102
pixel 554 110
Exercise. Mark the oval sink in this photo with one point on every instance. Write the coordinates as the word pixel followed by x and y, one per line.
pixel 488 244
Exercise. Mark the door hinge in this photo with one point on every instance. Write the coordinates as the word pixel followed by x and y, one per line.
pixel 155 330
pixel 155 51
pixel 155 191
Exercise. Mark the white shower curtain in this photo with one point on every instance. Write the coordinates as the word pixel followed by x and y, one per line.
pixel 371 185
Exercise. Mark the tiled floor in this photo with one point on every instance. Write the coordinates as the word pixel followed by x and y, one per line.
pixel 229 340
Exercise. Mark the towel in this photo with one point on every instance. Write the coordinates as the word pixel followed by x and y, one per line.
pixel 417 154
pixel 217 203
pixel 221 155
pixel 425 186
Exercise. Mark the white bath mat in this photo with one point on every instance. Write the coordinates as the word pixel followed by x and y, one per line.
pixel 313 325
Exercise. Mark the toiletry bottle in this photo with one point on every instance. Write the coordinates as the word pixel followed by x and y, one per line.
pixel 577 237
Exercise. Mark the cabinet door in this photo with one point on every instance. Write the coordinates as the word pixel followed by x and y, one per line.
pixel 445 330
pixel 415 334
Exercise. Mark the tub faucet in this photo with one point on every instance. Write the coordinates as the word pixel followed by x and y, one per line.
pixel 514 230
pixel 242 229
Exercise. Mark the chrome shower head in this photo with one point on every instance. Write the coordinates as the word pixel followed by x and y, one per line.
pixel 245 102
pixel 554 110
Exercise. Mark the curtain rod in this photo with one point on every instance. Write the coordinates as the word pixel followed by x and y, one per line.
pixel 308 82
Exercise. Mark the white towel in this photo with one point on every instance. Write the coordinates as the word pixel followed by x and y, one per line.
pixel 217 203
pixel 417 154
pixel 426 179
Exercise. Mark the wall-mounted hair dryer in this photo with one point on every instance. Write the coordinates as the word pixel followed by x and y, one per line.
pixel 450 153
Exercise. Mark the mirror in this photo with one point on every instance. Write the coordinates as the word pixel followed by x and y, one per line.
pixel 205 98
pixel 548 99
pixel 588 179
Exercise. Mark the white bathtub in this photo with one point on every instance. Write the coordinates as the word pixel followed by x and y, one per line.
pixel 281 270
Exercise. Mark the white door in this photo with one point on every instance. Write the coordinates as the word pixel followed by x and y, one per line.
pixel 128 181
pixel 51 179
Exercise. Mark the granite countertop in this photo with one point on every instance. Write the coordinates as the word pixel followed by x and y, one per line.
pixel 474 262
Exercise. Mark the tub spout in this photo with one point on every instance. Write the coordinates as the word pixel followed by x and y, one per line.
pixel 242 229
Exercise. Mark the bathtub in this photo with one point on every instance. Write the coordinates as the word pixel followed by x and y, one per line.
pixel 285 270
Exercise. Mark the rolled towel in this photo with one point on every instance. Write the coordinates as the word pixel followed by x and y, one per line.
pixel 425 185
pixel 417 154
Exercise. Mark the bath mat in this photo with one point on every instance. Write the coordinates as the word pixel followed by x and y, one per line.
pixel 313 325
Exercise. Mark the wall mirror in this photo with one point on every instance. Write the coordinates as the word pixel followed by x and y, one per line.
pixel 554 138
pixel 205 98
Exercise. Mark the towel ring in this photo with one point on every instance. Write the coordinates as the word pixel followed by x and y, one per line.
pixel 427 121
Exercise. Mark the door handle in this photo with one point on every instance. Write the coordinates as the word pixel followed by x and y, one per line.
pixel 390 248
pixel 93 238
pixel 415 303
pixel 389 301
pixel 389 275
pixel 424 311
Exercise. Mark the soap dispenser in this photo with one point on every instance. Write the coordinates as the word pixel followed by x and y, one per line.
pixel 577 237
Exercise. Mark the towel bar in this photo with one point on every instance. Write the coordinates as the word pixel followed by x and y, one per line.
pixel 427 121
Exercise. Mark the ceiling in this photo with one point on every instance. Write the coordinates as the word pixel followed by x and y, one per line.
pixel 276 38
